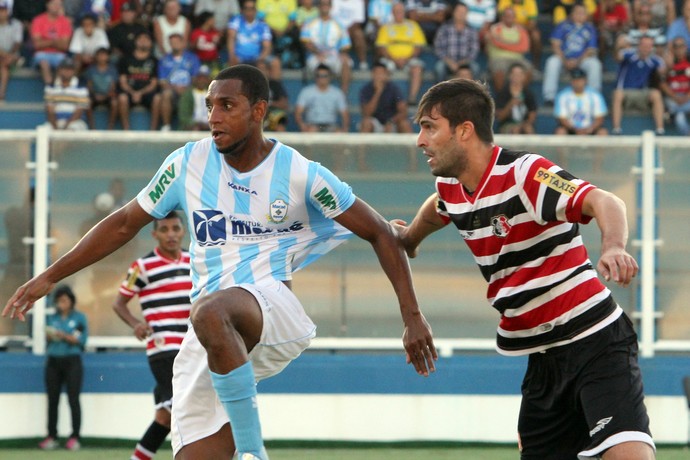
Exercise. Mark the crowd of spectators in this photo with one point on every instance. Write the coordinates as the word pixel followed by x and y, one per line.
pixel 162 54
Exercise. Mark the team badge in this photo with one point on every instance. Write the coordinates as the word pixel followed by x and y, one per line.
pixel 500 225
pixel 278 211
pixel 159 341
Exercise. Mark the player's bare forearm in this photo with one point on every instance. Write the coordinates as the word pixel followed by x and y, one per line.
pixel 426 222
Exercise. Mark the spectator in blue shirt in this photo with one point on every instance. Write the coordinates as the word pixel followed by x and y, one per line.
pixel 66 331
pixel 574 44
pixel 680 26
pixel 320 105
pixel 639 73
pixel 175 73
pixel 250 40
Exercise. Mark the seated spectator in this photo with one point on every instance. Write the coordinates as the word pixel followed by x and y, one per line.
pixel 50 35
pixel 101 80
pixel 175 73
pixel 101 10
pixel 322 107
pixel 122 35
pixel 222 11
pixel 399 45
pixel 429 14
pixel 506 44
pixel 327 42
pixel 205 41
pixel 482 13
pixel 294 56
pixel 574 44
pixel 66 101
pixel 116 15
pixel 464 71
pixel 278 104
pixel 87 39
pixel 383 105
pixel 138 81
pixel 612 18
pixel 170 22
pixel 516 106
pixel 192 112
pixel 663 12
pixel 526 14
pixel 249 40
pixel 379 12
pixel 352 15
pixel 579 109
pixel 11 37
pixel 561 9
pixel 635 86
pixel 681 26
pixel 676 87
pixel 456 44
pixel 280 17
pixel 642 25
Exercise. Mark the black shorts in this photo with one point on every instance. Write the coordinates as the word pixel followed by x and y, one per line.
pixel 146 100
pixel 576 397
pixel 162 370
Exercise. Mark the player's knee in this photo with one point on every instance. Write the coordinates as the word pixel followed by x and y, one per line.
pixel 207 312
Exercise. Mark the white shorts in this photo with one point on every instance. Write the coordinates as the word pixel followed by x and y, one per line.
pixel 287 331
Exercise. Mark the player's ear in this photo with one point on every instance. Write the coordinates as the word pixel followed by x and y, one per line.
pixel 259 110
pixel 464 130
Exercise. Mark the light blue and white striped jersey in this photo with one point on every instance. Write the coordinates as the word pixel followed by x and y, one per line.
pixel 253 227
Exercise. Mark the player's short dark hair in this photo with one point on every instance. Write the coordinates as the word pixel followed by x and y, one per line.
pixel 460 100
pixel 170 215
pixel 65 290
pixel 254 82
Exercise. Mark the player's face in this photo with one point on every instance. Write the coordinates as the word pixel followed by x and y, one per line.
pixel 230 116
pixel 169 234
pixel 446 157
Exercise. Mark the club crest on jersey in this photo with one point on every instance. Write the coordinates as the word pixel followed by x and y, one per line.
pixel 210 227
pixel 555 182
pixel 278 211
pixel 500 226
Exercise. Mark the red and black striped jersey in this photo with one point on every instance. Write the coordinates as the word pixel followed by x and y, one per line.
pixel 521 225
pixel 163 287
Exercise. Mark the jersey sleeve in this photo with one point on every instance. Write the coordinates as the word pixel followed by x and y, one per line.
pixel 134 282
pixel 165 191
pixel 327 193
pixel 549 192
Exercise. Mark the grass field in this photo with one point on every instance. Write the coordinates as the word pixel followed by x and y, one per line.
pixel 321 453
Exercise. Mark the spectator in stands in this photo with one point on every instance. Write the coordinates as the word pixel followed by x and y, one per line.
pixel 681 26
pixel 101 80
pixel 482 13
pixel 138 81
pixel 123 34
pixel 579 109
pixel 87 39
pixel 327 42
pixel 175 73
pixel 101 10
pixel 526 14
pixel 170 22
pixel 506 44
pixel 11 37
pixel 516 106
pixel 429 14
pixel 222 10
pixel 455 44
pixel 249 40
pixel 352 15
pixel 399 45
pixel 192 113
pixel 280 17
pixel 306 11
pixel 574 44
pixel 66 331
pixel 205 41
pixel 50 34
pixel 639 72
pixel 379 12
pixel 663 12
pixel 612 18
pixel 464 71
pixel 321 107
pixel 676 86
pixel 382 103
pixel 278 104
pixel 66 101
pixel 642 25
pixel 561 9
pixel 116 16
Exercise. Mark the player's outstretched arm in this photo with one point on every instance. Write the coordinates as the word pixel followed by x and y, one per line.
pixel 426 222
pixel 609 211
pixel 108 235
pixel 369 225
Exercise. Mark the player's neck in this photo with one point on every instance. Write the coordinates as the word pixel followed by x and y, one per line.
pixel 172 255
pixel 250 155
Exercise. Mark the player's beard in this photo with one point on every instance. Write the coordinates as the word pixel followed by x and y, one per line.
pixel 233 149
pixel 452 163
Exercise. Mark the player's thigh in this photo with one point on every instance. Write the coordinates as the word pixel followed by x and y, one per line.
pixel 218 446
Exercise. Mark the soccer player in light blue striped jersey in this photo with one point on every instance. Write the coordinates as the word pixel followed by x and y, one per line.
pixel 257 211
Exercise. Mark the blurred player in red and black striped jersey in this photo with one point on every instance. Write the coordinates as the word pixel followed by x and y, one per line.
pixel 162 281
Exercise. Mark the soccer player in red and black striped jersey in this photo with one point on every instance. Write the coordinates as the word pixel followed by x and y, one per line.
pixel 519 214
pixel 162 281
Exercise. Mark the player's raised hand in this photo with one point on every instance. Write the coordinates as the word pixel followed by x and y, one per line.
pixel 419 346
pixel 617 265
pixel 24 298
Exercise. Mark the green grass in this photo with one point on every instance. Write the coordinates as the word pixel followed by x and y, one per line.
pixel 321 453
